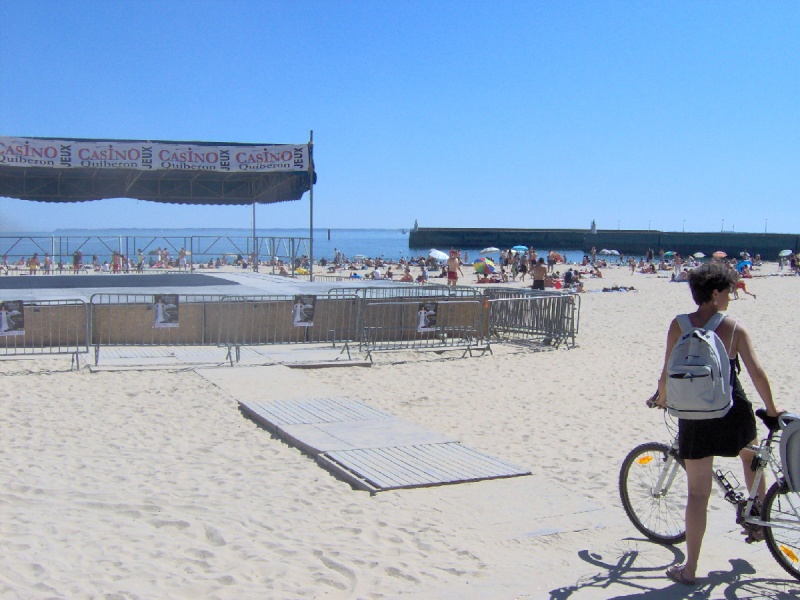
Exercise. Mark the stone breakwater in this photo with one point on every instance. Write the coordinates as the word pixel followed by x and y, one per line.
pixel 631 242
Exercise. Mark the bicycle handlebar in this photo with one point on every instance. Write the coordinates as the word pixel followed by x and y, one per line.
pixel 772 423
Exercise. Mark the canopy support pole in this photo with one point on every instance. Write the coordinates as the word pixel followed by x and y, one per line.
pixel 255 241
pixel 311 206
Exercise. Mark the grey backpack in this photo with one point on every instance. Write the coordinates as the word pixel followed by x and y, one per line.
pixel 699 372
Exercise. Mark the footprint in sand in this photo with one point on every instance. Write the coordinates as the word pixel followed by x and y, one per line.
pixel 395 572
pixel 214 537
pixel 157 523
pixel 339 568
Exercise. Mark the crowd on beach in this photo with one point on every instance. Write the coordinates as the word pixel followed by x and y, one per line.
pixel 542 272
pixel 550 271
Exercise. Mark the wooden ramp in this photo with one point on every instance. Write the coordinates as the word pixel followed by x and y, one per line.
pixel 374 450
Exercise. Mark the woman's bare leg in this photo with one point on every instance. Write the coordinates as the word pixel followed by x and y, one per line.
pixel 750 475
pixel 698 472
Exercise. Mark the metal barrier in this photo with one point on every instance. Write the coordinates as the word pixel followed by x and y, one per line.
pixel 298 319
pixel 377 318
pixel 153 320
pixel 198 249
pixel 423 323
pixel 552 317
pixel 406 290
pixel 44 327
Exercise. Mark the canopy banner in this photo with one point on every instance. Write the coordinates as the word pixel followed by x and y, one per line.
pixel 152 156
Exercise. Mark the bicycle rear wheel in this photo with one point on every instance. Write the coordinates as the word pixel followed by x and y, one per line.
pixel 781 510
pixel 657 513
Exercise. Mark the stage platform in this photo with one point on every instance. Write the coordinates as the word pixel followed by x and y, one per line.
pixel 225 283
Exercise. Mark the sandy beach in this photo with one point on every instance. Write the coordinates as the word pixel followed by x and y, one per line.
pixel 150 483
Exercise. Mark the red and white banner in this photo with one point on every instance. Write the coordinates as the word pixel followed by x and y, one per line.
pixel 147 156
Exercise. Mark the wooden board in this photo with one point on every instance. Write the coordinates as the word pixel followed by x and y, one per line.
pixel 374 450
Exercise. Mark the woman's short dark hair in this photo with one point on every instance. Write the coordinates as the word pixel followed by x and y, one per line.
pixel 709 277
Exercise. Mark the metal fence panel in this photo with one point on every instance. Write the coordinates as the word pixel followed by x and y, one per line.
pixel 138 320
pixel 408 290
pixel 552 317
pixel 46 327
pixel 262 320
pixel 421 323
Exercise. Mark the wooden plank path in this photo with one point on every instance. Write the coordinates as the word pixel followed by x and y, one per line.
pixel 372 449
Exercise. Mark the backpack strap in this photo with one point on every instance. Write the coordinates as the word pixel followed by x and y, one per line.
pixel 714 322
pixel 685 323
pixel 733 333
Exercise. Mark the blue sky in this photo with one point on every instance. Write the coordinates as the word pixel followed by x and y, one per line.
pixel 663 115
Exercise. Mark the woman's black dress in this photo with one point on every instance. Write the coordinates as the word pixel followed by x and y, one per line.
pixel 724 436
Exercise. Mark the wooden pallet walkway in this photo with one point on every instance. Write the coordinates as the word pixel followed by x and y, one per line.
pixel 372 449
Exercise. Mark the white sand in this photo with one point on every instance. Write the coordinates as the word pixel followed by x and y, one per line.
pixel 151 484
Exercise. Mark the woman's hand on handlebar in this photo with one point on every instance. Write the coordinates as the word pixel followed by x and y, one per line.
pixel 653 401
pixel 777 411
pixel 770 420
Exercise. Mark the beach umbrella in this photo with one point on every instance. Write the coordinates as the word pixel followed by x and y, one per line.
pixel 744 255
pixel 489 250
pixel 360 257
pixel 719 254
pixel 438 254
pixel 699 255
pixel 785 253
pixel 614 252
pixel 483 265
pixel 520 248
pixel 669 253
pixel 743 263
pixel 605 252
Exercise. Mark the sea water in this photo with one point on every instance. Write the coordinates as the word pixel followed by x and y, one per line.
pixel 373 243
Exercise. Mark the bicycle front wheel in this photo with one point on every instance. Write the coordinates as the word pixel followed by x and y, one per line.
pixel 653 490
pixel 782 513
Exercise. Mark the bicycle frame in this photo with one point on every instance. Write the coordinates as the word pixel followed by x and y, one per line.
pixel 653 487
pixel 763 458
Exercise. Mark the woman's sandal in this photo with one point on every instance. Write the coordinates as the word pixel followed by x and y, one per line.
pixel 675 572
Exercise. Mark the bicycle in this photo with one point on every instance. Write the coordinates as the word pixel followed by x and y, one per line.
pixel 653 490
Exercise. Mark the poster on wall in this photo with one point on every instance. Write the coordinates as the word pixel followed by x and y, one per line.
pixel 12 318
pixel 166 310
pixel 303 310
pixel 426 316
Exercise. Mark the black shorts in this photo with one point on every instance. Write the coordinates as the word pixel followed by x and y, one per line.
pixel 724 436
pixel 538 284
